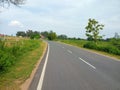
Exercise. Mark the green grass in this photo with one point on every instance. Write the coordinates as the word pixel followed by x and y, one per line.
pixel 103 47
pixel 23 66
pixel 78 43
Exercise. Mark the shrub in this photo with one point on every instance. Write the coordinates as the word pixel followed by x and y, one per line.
pixel 90 45
pixel 110 49
pixel 6 60
pixel 106 48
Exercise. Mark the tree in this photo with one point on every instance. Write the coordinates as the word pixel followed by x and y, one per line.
pixel 62 36
pixel 92 30
pixel 35 35
pixel 31 34
pixel 45 34
pixel 4 3
pixel 52 35
pixel 21 33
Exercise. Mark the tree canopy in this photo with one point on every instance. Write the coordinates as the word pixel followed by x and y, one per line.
pixel 62 36
pixel 52 35
pixel 7 3
pixel 92 30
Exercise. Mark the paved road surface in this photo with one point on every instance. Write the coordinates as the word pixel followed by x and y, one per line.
pixel 71 68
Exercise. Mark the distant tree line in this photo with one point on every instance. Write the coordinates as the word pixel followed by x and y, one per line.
pixel 31 34
pixel 50 35
pixel 36 34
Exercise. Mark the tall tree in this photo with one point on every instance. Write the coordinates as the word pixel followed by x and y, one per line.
pixel 92 30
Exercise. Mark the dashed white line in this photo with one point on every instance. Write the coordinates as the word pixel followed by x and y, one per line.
pixel 39 87
pixel 69 51
pixel 87 63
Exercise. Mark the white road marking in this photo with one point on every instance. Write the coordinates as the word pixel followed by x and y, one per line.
pixel 87 63
pixel 39 87
pixel 69 51
pixel 63 47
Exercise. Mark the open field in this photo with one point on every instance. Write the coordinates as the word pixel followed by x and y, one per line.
pixel 18 58
pixel 110 48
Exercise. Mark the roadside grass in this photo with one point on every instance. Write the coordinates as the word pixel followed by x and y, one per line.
pixel 78 43
pixel 21 70
pixel 81 43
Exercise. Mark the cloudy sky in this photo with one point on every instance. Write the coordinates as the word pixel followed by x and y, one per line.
pixel 62 16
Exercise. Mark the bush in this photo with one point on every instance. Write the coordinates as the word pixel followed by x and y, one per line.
pixel 90 45
pixel 6 60
pixel 106 48
pixel 110 49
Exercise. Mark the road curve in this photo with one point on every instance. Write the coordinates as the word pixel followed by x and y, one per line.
pixel 71 68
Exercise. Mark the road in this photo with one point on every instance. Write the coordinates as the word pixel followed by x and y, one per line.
pixel 72 68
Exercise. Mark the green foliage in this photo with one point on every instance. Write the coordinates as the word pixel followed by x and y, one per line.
pixel 52 35
pixel 90 45
pixel 78 43
pixel 45 34
pixel 10 54
pixel 6 60
pixel 115 42
pixel 31 34
pixel 109 48
pixel 21 33
pixel 92 30
pixel 49 35
pixel 2 44
pixel 62 37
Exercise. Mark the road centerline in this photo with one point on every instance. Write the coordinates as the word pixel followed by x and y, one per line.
pixel 69 51
pixel 39 87
pixel 87 63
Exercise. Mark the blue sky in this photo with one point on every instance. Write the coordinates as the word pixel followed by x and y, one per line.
pixel 62 16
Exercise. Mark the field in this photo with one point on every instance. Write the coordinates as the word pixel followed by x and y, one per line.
pixel 110 47
pixel 18 57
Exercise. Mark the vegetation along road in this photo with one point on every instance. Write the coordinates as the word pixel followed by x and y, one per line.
pixel 70 68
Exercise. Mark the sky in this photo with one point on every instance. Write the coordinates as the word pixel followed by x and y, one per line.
pixel 69 17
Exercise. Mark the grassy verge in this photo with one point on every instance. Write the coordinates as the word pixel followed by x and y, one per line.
pixel 81 43
pixel 21 70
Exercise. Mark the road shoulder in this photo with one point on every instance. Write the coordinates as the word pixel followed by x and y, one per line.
pixel 26 84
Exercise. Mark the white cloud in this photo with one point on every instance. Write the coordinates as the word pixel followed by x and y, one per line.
pixel 15 23
pixel 62 16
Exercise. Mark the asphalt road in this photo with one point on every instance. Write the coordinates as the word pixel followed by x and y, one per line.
pixel 71 68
